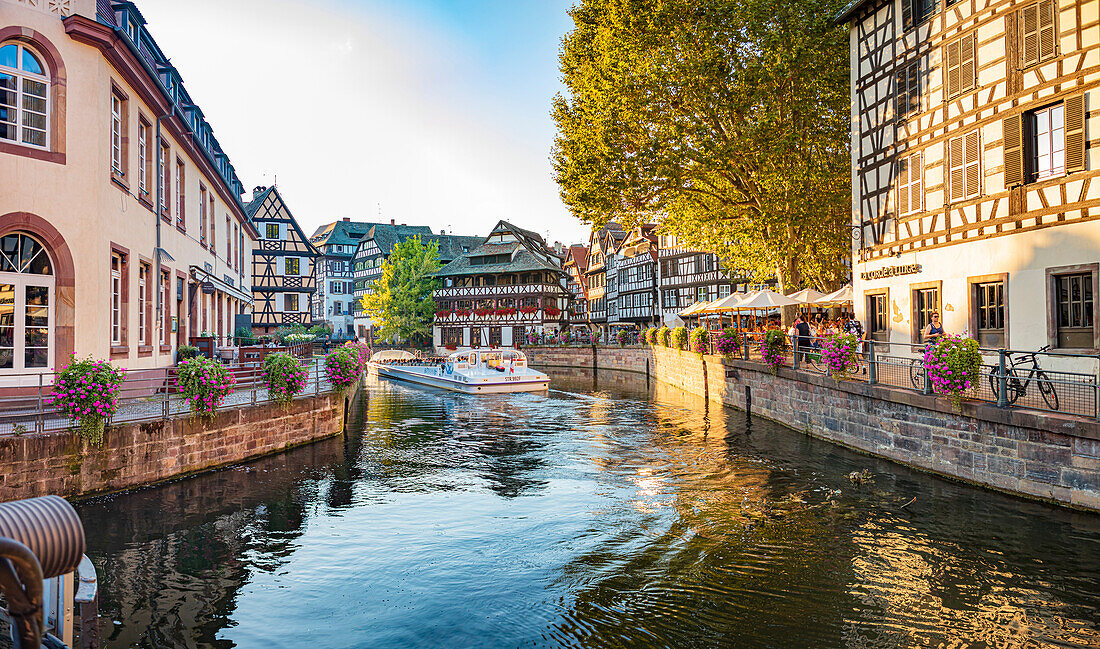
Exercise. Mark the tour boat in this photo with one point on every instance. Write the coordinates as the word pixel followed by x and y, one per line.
pixel 474 371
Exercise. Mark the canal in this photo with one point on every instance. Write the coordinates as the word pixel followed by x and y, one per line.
pixel 607 513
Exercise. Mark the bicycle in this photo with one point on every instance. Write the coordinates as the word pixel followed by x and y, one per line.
pixel 1017 387
pixel 916 370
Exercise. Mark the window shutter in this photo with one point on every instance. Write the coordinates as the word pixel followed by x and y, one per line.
pixel 956 162
pixel 1013 150
pixel 903 186
pixel 952 69
pixel 968 68
pixel 1048 43
pixel 1075 133
pixel 972 156
pixel 1029 35
pixel 901 88
pixel 907 13
pixel 916 178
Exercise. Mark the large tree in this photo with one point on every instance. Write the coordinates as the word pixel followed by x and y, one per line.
pixel 725 120
pixel 400 301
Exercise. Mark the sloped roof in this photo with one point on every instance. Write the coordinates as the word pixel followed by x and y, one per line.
pixel 387 236
pixel 523 260
pixel 578 253
pixel 253 207
pixel 342 232
pixel 451 246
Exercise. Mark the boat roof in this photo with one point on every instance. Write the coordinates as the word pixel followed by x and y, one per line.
pixel 392 355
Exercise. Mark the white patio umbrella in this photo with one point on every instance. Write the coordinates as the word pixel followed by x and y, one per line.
pixel 693 310
pixel 766 299
pixel 807 296
pixel 727 303
pixel 671 320
pixel 842 296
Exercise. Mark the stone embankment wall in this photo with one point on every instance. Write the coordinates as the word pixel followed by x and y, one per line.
pixel 143 453
pixel 1034 454
pixel 626 359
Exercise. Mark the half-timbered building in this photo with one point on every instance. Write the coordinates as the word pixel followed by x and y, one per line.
pixel 334 301
pixel 972 164
pixel 602 243
pixel 283 280
pixel 687 276
pixel 509 285
pixel 576 262
pixel 639 303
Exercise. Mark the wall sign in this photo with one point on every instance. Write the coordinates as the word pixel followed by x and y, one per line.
pixel 891 271
pixel 208 288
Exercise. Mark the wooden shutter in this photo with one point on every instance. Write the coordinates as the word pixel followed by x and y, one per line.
pixel 972 156
pixel 916 183
pixel 968 64
pixel 1048 42
pixel 1075 133
pixel 952 80
pixel 1029 35
pixel 1013 150
pixel 903 186
pixel 956 161
pixel 907 13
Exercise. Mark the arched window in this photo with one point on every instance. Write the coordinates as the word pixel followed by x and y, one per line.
pixel 24 89
pixel 26 304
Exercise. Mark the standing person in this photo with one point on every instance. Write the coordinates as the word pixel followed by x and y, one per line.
pixel 801 336
pixel 855 328
pixel 933 331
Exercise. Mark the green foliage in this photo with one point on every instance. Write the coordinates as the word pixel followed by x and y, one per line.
pixel 698 340
pixel 285 376
pixel 320 331
pixel 243 335
pixel 204 384
pixel 291 335
pixel 679 337
pixel 87 392
pixel 726 120
pixel 663 335
pixel 651 336
pixel 183 352
pixel 954 365
pixel 401 299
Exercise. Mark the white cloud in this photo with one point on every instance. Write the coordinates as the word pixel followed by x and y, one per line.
pixel 353 110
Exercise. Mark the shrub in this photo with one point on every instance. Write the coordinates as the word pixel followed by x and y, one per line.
pixel 699 340
pixel 840 355
pixel 320 331
pixel 727 343
pixel 773 349
pixel 359 351
pixel 243 335
pixel 663 335
pixel 87 392
pixel 297 338
pixel 954 365
pixel 679 337
pixel 285 376
pixel 183 352
pixel 651 336
pixel 624 336
pixel 204 384
pixel 341 368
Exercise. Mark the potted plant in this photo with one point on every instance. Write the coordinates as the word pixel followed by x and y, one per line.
pixel 285 377
pixel 87 392
pixel 679 337
pixel 727 343
pixel 840 354
pixel 773 349
pixel 663 335
pixel 204 384
pixel 953 364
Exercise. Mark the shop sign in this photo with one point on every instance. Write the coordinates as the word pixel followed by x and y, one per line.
pixel 208 288
pixel 891 271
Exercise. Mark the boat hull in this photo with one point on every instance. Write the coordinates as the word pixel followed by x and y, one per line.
pixel 490 384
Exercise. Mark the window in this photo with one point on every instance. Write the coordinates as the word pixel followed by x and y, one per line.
pixel 290 302
pixel 213 232
pixel 166 296
pixel 26 297
pixel 989 313
pixel 272 231
pixel 910 184
pixel 494 336
pixel 670 299
pixel 339 308
pixel 687 266
pixel 908 90
pixel 116 299
pixel 701 294
pixel 143 280
pixel 1075 310
pixel 165 181
pixel 914 12
pixel 452 336
pixel 1047 155
pixel 291 266
pixel 1038 33
pixel 202 214
pixel 181 207
pixel 876 317
pixel 964 158
pixel 926 301
pixel 144 151
pixel 118 159
pixel 23 96
pixel 236 251
pixel 961 69
pixel 228 242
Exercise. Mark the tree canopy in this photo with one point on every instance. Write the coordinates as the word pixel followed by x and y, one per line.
pixel 727 121
pixel 400 301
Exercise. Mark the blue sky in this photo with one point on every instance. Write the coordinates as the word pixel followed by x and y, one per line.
pixel 423 111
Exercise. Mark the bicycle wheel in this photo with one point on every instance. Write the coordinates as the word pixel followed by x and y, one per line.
pixel 994 381
pixel 1046 388
pixel 916 373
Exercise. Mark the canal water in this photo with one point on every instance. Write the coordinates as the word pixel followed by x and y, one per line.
pixel 606 513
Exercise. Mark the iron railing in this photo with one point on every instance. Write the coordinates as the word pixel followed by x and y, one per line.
pixel 145 395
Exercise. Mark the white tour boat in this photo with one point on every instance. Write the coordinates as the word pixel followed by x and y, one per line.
pixel 474 371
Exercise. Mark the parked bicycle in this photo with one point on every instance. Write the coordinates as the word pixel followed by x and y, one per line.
pixel 1018 383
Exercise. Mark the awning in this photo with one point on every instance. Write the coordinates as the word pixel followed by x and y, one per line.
pixel 203 275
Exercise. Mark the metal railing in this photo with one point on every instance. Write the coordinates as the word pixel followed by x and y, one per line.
pixel 1037 380
pixel 145 395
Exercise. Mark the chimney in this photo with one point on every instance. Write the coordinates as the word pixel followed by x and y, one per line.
pixel 347 219
pixel 257 190
pixel 392 223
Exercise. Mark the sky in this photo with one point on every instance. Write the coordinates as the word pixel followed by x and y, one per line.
pixel 428 112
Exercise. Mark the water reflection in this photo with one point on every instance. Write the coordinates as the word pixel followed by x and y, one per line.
pixel 607 513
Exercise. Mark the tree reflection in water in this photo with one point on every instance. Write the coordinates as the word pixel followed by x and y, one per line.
pixel 607 513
